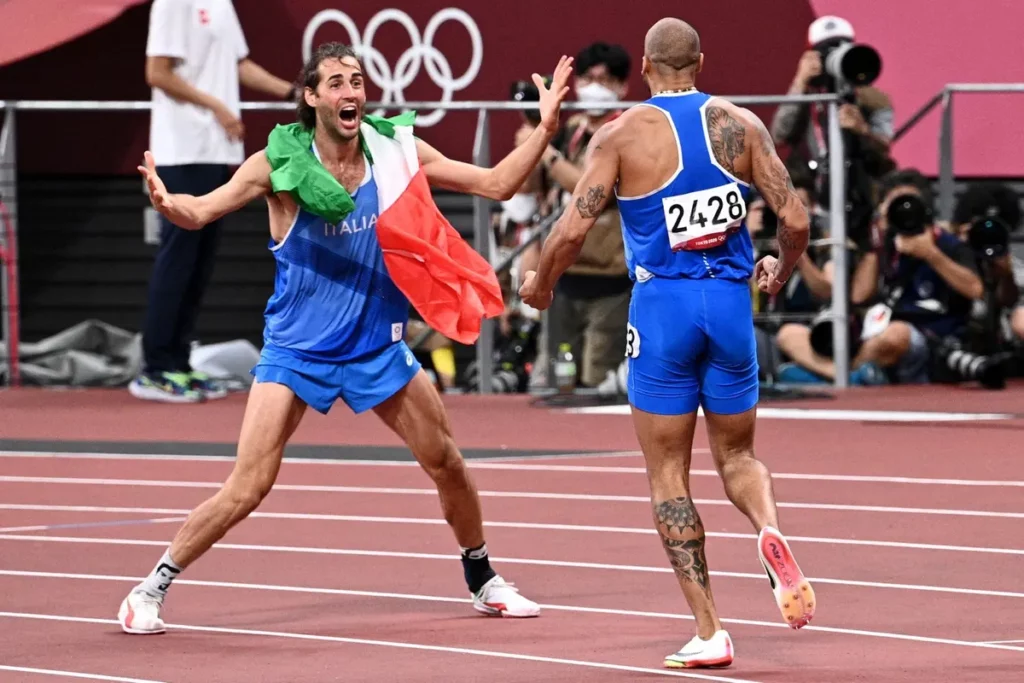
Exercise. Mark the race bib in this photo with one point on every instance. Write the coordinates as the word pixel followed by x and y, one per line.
pixel 632 342
pixel 703 219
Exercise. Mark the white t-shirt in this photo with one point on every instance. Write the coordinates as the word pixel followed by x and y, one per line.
pixel 205 38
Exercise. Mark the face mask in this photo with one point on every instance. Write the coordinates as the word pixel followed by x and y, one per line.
pixel 595 92
pixel 521 207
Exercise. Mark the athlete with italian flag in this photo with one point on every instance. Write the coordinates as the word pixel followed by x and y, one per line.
pixel 357 238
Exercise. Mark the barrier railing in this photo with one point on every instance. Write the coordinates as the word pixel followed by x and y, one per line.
pixel 481 206
pixel 9 298
pixel 944 98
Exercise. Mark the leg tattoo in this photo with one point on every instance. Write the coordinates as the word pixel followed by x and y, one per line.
pixel 676 518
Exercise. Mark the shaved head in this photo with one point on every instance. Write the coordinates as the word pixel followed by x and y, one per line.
pixel 672 45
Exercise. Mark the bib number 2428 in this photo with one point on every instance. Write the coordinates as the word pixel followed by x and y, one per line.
pixel 703 219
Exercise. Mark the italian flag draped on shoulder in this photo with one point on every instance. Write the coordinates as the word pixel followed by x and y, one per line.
pixel 451 285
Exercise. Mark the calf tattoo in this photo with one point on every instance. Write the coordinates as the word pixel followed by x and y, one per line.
pixel 675 518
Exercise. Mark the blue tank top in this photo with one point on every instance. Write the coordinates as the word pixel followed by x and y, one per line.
pixel 694 226
pixel 333 299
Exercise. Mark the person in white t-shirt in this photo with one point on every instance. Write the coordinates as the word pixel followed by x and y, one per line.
pixel 196 57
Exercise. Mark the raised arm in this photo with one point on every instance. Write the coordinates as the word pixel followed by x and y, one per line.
pixel 772 180
pixel 508 175
pixel 251 180
pixel 563 245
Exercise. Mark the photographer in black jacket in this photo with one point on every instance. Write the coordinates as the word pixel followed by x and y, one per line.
pixel 929 279
pixel 985 216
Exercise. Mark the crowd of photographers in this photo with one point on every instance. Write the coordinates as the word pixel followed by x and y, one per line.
pixel 929 301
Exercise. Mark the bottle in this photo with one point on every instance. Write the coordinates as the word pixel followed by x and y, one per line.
pixel 565 370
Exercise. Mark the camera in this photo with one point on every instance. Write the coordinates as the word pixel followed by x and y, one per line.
pixel 908 215
pixel 526 91
pixel 512 359
pixel 845 64
pixel 989 237
pixel 821 334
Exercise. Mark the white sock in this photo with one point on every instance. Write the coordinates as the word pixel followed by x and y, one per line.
pixel 159 580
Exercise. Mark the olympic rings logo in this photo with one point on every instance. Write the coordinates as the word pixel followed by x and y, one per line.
pixel 422 53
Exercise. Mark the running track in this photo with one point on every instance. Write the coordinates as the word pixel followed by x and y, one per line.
pixel 910 530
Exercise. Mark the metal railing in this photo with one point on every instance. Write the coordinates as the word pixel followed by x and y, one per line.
pixel 481 206
pixel 945 99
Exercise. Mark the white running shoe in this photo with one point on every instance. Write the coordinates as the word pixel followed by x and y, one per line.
pixel 500 599
pixel 793 592
pixel 714 652
pixel 140 614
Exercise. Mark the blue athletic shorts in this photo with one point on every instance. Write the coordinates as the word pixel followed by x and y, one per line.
pixel 361 383
pixel 690 343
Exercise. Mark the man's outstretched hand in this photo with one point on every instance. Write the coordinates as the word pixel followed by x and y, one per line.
pixel 158 195
pixel 551 98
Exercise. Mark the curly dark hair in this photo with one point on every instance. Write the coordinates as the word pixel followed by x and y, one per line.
pixel 310 78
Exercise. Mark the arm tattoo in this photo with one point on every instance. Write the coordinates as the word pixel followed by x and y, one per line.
pixel 776 185
pixel 675 518
pixel 590 205
pixel 728 137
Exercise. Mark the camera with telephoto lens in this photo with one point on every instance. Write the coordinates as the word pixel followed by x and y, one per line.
pixel 908 215
pixel 989 236
pixel 845 64
pixel 526 91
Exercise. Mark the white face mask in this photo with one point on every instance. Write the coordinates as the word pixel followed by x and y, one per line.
pixel 595 92
pixel 521 207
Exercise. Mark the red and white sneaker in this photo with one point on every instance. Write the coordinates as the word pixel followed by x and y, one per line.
pixel 140 614
pixel 696 654
pixel 793 591
pixel 500 599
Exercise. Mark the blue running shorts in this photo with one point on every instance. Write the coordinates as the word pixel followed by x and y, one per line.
pixel 361 383
pixel 690 343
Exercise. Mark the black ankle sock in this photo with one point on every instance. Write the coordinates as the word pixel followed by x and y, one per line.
pixel 477 567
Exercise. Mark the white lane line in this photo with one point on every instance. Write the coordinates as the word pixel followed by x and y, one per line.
pixel 436 521
pixel 535 495
pixel 332 517
pixel 387 643
pixel 533 467
pixel 355 552
pixel 73 525
pixel 841 415
pixel 73 674
pixel 563 608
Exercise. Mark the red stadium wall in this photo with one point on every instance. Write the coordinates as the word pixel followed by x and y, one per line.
pixel 750 48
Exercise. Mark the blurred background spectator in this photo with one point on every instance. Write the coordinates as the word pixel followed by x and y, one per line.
pixel 196 55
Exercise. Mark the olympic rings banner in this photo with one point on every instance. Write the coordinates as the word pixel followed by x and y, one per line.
pixel 422 55
pixel 433 50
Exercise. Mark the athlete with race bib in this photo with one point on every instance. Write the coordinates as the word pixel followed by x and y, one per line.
pixel 681 165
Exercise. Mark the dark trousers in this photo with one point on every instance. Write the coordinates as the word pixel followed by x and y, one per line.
pixel 184 264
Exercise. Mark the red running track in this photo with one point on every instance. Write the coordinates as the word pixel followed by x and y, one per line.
pixel 347 572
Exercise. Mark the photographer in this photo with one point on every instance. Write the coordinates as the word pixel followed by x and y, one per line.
pixel 929 279
pixel 835 64
pixel 868 114
pixel 591 304
pixel 984 217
